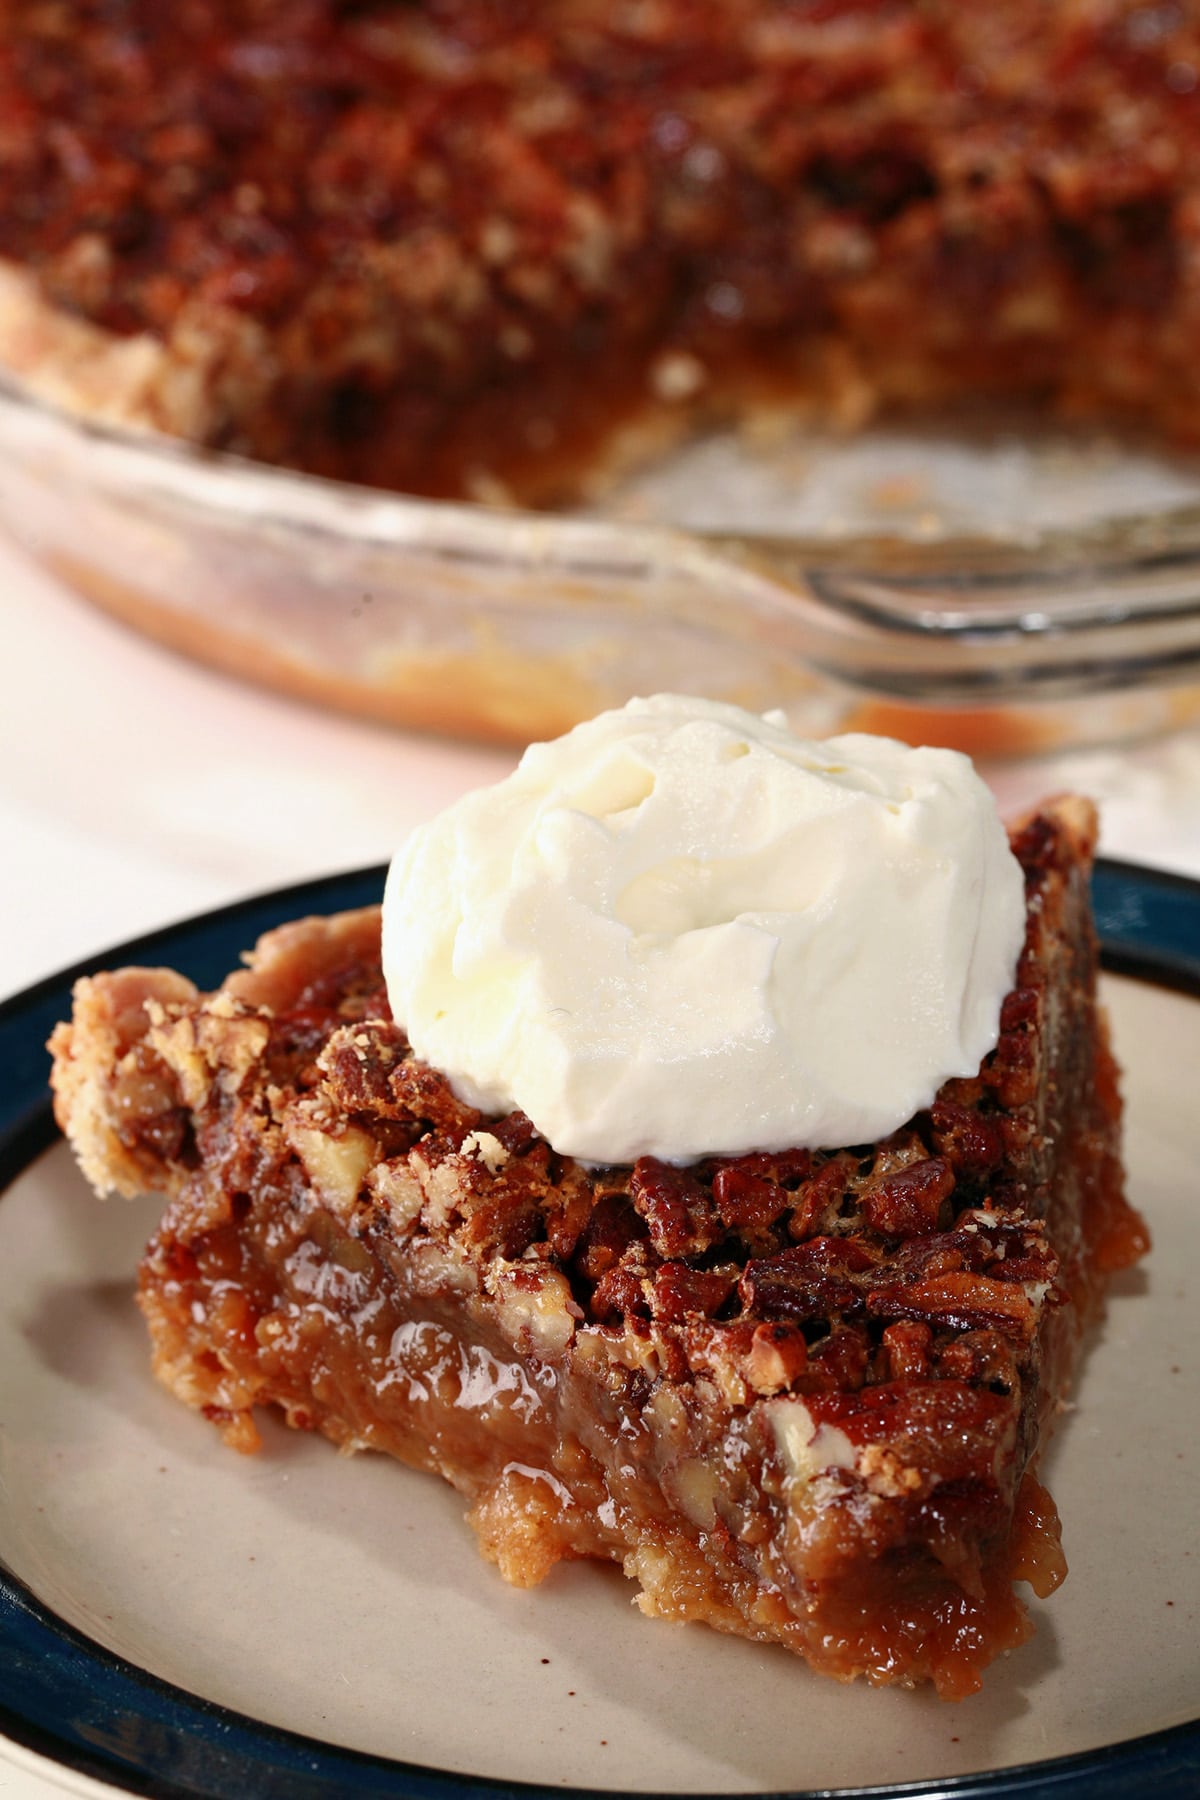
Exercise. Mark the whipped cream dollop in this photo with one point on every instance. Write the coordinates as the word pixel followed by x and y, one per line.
pixel 680 930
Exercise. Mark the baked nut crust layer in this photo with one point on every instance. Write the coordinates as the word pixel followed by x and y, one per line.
pixel 797 1396
pixel 469 249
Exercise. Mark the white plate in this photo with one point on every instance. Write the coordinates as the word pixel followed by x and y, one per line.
pixel 343 1599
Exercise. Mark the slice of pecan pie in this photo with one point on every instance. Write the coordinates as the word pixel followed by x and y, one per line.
pixel 798 1396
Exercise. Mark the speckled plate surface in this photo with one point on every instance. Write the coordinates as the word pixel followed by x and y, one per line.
pixel 176 1619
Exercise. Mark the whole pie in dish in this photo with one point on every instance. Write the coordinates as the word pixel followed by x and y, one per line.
pixel 799 1396
pixel 462 248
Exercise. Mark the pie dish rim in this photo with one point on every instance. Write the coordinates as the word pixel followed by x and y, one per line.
pixel 505 624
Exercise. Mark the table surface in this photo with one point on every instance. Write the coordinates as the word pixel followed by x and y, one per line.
pixel 140 788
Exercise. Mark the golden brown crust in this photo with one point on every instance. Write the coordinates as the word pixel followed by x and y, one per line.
pixel 190 386
pixel 799 1396
pixel 100 1070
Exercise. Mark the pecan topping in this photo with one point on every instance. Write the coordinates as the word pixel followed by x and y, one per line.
pixel 1036 847
pixel 357 1063
pixel 777 1357
pixel 610 1229
pixel 676 1206
pixel 820 1197
pixel 952 1433
pixel 840 1361
pixel 885 1474
pixel 425 1095
pixel 907 1348
pixel 981 1358
pixel 961 1300
pixel 971 1143
pixel 1021 1007
pixel 680 1292
pixel 1015 1050
pixel 910 1202
pixel 749 1196
pixel 568 1208
pixel 815 1280
pixel 625 1290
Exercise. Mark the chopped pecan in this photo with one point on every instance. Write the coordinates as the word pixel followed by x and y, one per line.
pixel 676 1206
pixel 720 1351
pixel 568 1209
pixel 840 1360
pixel 982 1239
pixel 887 1475
pixel 748 1197
pixel 1036 847
pixel 1021 1007
pixel 494 1211
pixel 355 1067
pixel 427 1096
pixel 971 1143
pixel 507 1215
pixel 820 1197
pixel 745 1359
pixel 777 1356
pixel 1010 1071
pixel 1016 1050
pixel 909 1203
pixel 680 1292
pixel 516 1132
pixel 961 1300
pixel 952 1433
pixel 357 1062
pixel 981 1358
pixel 815 1280
pixel 907 1345
pixel 625 1290
pixel 609 1231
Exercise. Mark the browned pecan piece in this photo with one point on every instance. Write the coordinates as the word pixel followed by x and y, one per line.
pixel 818 1200
pixel 978 1357
pixel 750 1195
pixel 907 1346
pixel 625 1290
pixel 820 1279
pixel 960 1300
pixel 909 1203
pixel 611 1227
pixel 357 1063
pixel 677 1208
pixel 971 1143
pixel 777 1358
pixel 680 1292
pixel 427 1096
pixel 839 1362
pixel 952 1432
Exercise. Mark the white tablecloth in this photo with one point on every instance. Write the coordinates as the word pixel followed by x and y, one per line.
pixel 139 788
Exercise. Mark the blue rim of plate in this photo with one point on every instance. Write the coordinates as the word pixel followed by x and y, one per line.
pixel 78 1705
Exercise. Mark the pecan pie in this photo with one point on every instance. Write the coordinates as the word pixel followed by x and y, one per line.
pixel 798 1396
pixel 468 248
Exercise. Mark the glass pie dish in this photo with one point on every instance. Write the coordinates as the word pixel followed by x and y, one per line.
pixel 1001 593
